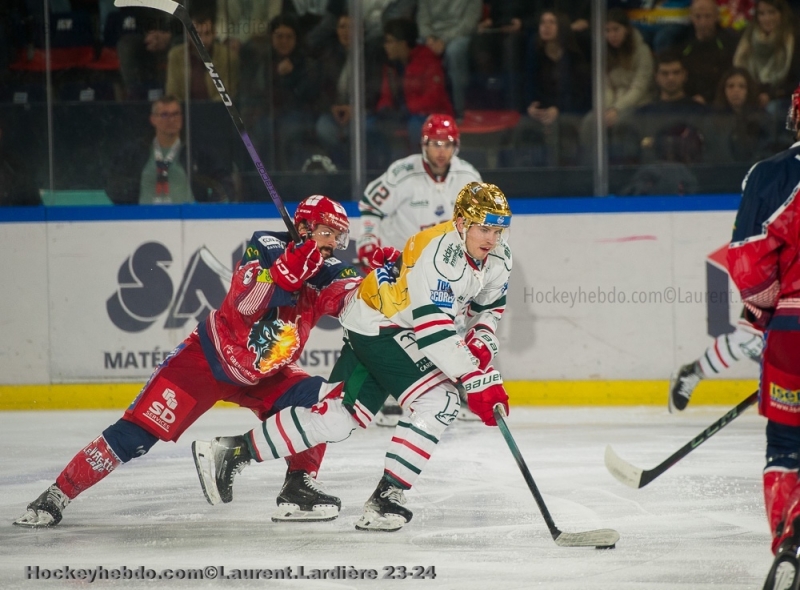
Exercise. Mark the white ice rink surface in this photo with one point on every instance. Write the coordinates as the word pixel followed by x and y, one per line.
pixel 700 525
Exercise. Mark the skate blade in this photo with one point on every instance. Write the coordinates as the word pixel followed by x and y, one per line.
pixel 35 520
pixel 372 521
pixel 204 463
pixel 293 513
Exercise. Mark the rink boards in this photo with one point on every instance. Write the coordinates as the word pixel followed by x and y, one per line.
pixel 607 297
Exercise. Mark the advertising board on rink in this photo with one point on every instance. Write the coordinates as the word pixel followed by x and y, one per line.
pixel 610 296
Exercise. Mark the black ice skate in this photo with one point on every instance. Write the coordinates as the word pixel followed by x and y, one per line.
pixel 390 414
pixel 785 571
pixel 217 463
pixel 303 499
pixel 681 386
pixel 384 510
pixel 45 510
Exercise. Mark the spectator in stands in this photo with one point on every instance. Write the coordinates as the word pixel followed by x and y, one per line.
pixel 201 85
pixel 333 123
pixel 412 87
pixel 281 91
pixel 156 172
pixel 628 83
pixel 17 187
pixel 740 130
pixel 146 37
pixel 770 51
pixel 556 91
pixel 496 51
pixel 446 27
pixel 671 97
pixel 708 53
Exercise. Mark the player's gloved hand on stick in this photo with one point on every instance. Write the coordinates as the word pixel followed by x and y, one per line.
pixel 483 345
pixel 296 265
pixel 385 256
pixel 485 389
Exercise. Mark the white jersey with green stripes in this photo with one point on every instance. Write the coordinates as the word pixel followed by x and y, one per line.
pixel 438 283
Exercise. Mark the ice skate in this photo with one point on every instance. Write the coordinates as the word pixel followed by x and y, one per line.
pixel 783 575
pixel 390 414
pixel 46 510
pixel 384 510
pixel 464 413
pixel 302 499
pixel 217 463
pixel 681 386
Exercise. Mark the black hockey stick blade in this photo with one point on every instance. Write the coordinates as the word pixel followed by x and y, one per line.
pixel 636 477
pixel 180 12
pixel 599 538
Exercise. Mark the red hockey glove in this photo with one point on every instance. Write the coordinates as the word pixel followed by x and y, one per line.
pixel 366 250
pixel 385 256
pixel 296 265
pixel 485 389
pixel 483 345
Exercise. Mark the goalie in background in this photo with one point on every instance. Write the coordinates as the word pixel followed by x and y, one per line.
pixel 400 340
pixel 245 353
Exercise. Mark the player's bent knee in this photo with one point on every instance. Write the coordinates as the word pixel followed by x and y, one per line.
pixel 435 410
pixel 128 440
pixel 329 421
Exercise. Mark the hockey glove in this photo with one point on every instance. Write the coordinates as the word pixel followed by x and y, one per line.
pixel 367 247
pixel 483 345
pixel 385 256
pixel 296 265
pixel 485 389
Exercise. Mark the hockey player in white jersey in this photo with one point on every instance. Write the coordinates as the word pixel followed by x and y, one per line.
pixel 415 193
pixel 401 340
pixel 746 341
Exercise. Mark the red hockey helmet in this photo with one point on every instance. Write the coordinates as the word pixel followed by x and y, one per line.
pixel 320 210
pixel 793 117
pixel 440 128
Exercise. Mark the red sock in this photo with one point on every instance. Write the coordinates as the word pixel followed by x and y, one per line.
pixel 89 466
pixel 308 461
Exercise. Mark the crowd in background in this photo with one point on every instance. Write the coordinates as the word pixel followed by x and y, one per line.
pixel 686 82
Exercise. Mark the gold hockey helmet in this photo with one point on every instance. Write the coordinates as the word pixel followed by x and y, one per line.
pixel 484 204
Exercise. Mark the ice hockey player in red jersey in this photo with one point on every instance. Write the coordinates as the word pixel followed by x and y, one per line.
pixel 245 352
pixel 764 262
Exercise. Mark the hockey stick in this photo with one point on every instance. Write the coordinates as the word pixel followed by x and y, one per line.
pixel 638 478
pixel 600 538
pixel 180 12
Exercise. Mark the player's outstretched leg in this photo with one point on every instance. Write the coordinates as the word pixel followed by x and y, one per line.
pixel 384 510
pixel 46 510
pixel 218 462
pixel 302 499
pixel 390 414
pixel 682 385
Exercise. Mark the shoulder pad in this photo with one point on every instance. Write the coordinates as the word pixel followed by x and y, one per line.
pixel 402 168
pixel 502 252
pixel 265 247
pixel 332 270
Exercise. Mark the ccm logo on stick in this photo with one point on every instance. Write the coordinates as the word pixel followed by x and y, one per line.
pixel 218 84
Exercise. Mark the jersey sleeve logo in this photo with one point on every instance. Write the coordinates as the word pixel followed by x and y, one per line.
pixel 443 295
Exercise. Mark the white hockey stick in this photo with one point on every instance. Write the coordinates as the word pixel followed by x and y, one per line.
pixel 599 538
pixel 179 11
